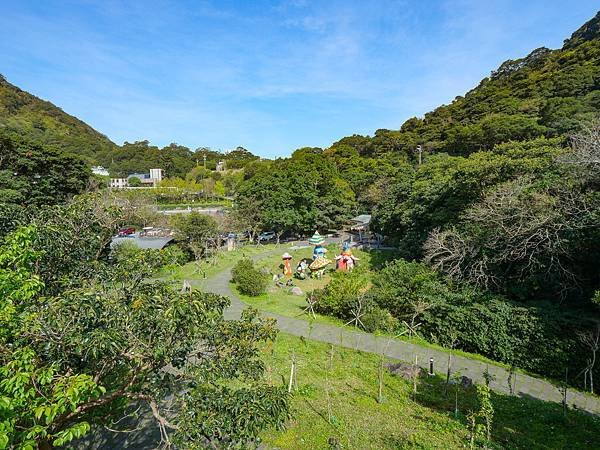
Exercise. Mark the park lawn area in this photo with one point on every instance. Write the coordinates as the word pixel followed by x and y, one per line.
pixel 280 300
pixel 367 259
pixel 212 266
pixel 346 391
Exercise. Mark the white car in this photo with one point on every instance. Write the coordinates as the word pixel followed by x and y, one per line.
pixel 266 236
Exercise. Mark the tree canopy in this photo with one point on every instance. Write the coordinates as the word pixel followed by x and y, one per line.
pixel 84 337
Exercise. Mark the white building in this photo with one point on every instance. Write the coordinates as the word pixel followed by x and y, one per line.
pixel 99 170
pixel 147 180
pixel 118 183
pixel 156 175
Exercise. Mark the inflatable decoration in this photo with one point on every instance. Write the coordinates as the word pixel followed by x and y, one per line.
pixel 319 263
pixel 346 260
pixel 302 268
pixel 317 240
pixel 317 267
pixel 287 267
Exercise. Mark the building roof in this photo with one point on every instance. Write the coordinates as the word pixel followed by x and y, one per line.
pixel 362 219
pixel 145 243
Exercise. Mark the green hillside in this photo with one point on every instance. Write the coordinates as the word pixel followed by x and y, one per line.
pixel 547 93
pixel 42 123
pixel 39 122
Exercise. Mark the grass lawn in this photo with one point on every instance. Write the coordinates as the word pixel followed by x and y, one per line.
pixel 282 301
pixel 339 404
pixel 210 267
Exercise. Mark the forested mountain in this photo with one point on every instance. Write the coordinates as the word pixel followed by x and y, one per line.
pixel 42 123
pixel 492 159
pixel 547 93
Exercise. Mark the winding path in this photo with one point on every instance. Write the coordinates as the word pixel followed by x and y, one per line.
pixel 525 385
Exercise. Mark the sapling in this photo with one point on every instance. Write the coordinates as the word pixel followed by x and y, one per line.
pixel 512 379
pixel 591 339
pixel 563 390
pixel 415 376
pixel 486 409
pixel 380 380
pixel 329 367
pixel 380 372
pixel 456 377
pixel 292 372
pixel 449 367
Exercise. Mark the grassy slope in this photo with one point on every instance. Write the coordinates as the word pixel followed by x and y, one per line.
pixel 208 268
pixel 358 421
pixel 281 301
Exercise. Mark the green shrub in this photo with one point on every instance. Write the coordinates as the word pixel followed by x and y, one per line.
pixel 538 337
pixel 249 280
pixel 401 284
pixel 173 255
pixel 339 296
pixel 378 319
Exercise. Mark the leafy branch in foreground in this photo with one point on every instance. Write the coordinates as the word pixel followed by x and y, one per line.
pixel 83 356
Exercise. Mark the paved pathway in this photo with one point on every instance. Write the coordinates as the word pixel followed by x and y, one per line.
pixel 393 348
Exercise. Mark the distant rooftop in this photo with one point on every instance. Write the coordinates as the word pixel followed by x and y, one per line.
pixel 362 219
pixel 145 243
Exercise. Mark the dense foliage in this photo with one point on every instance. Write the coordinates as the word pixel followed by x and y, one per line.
pixel 248 279
pixel 175 160
pixel 84 337
pixel 31 174
pixel 421 199
pixel 299 194
pixel 197 232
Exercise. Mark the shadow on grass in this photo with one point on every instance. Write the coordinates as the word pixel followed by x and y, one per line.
pixel 519 421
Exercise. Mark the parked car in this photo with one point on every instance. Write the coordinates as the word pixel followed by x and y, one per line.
pixel 126 231
pixel 266 236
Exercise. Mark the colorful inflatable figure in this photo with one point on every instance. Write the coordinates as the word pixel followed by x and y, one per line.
pixel 287 266
pixel 317 267
pixel 317 240
pixel 346 260
pixel 302 268
pixel 320 261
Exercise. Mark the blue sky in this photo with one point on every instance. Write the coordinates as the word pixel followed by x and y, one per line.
pixel 271 76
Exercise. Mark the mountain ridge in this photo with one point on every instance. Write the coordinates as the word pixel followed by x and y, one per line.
pixel 546 93
pixel 44 123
